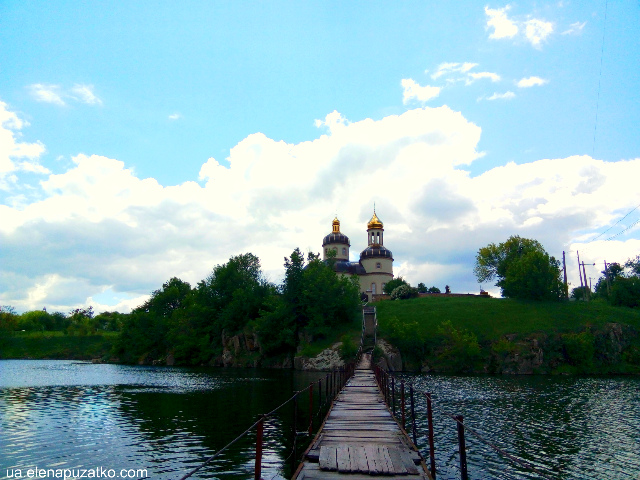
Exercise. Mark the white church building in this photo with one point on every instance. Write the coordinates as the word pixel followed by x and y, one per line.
pixel 375 267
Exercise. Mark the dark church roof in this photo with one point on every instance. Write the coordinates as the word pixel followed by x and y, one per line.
pixel 335 238
pixel 345 266
pixel 376 251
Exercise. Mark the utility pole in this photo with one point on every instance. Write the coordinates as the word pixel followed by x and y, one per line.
pixel 586 286
pixel 580 273
pixel 564 269
pixel 606 275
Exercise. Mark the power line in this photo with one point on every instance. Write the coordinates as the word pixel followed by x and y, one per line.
pixel 595 127
pixel 620 233
pixel 632 210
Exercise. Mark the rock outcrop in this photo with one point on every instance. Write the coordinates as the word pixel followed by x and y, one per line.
pixel 328 359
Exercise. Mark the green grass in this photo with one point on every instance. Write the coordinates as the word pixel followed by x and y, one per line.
pixel 491 318
pixel 56 345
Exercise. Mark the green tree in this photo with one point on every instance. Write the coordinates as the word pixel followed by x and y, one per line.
pixel 523 269
pixel 391 285
pixel 433 290
pixel 422 288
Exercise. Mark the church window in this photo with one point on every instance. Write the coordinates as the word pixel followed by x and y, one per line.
pixel 382 286
pixel 344 251
pixel 373 288
pixel 378 265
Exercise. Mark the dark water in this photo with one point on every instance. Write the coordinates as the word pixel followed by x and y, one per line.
pixel 59 414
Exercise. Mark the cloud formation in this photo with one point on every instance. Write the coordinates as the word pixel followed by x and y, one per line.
pixel 500 96
pixel 15 155
pixel 57 95
pixel 502 26
pixel 531 82
pixel 413 91
pixel 536 31
pixel 98 231
pixel 575 28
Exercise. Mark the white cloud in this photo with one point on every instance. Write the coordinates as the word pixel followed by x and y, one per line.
pixel 175 116
pixel 47 93
pixel 84 94
pixel 15 155
pixel 502 26
pixel 494 77
pixel 531 82
pixel 452 67
pixel 414 91
pixel 98 227
pixel 57 95
pixel 500 96
pixel 537 31
pixel 575 28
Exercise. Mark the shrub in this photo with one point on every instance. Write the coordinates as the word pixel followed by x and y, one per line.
pixel 579 348
pixel 461 349
pixel 403 292
pixel 348 349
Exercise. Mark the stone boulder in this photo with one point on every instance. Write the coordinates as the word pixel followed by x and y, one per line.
pixel 391 359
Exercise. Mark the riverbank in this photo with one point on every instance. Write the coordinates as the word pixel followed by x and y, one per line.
pixel 502 336
pixel 57 346
pixel 435 334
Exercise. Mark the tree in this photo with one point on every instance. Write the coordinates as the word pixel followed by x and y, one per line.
pixel 523 269
pixel 422 288
pixel 391 285
pixel 433 290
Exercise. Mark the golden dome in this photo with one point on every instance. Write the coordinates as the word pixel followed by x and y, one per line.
pixel 336 225
pixel 374 222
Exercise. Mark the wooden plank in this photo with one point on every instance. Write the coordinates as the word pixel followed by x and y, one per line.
pixel 359 460
pixel 373 459
pixel 385 460
pixel 398 466
pixel 407 461
pixel 328 458
pixel 344 461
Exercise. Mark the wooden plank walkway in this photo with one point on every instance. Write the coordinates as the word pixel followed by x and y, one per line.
pixel 360 439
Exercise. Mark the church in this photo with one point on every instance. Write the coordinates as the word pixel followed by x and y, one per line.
pixel 375 267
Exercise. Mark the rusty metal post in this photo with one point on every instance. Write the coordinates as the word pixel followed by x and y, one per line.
pixel 258 464
pixel 402 402
pixel 432 453
pixel 462 448
pixel 393 395
pixel 319 395
pixel 310 409
pixel 413 417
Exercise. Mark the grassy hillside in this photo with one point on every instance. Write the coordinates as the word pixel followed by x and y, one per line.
pixel 440 330
pixel 56 345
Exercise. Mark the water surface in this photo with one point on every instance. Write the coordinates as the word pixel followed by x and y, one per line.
pixel 167 420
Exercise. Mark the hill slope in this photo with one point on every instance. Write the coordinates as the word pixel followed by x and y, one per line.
pixel 442 333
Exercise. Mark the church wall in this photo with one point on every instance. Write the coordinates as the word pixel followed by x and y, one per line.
pixel 379 279
pixel 341 249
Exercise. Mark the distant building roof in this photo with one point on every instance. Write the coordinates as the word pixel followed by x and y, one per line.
pixel 376 251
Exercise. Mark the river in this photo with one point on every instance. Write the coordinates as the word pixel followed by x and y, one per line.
pixel 168 420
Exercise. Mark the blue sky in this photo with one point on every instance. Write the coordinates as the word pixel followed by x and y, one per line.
pixel 145 140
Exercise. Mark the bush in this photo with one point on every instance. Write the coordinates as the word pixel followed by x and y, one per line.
pixel 348 349
pixel 461 349
pixel 625 292
pixel 579 348
pixel 403 292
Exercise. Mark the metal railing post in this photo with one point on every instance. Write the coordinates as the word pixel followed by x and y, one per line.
pixel 258 464
pixel 402 403
pixel 432 454
pixel 462 447
pixel 310 409
pixel 393 395
pixel 413 417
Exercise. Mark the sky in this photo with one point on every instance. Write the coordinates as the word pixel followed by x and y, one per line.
pixel 141 141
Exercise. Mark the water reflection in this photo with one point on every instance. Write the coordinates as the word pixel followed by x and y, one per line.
pixel 56 414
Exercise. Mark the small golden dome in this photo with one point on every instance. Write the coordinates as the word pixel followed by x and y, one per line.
pixel 336 225
pixel 374 222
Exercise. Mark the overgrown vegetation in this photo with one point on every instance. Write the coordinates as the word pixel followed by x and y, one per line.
pixel 472 334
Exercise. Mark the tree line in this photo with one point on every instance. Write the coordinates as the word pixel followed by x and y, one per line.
pixel 190 323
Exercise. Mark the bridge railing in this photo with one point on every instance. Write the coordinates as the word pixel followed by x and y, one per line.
pixel 393 390
pixel 325 391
